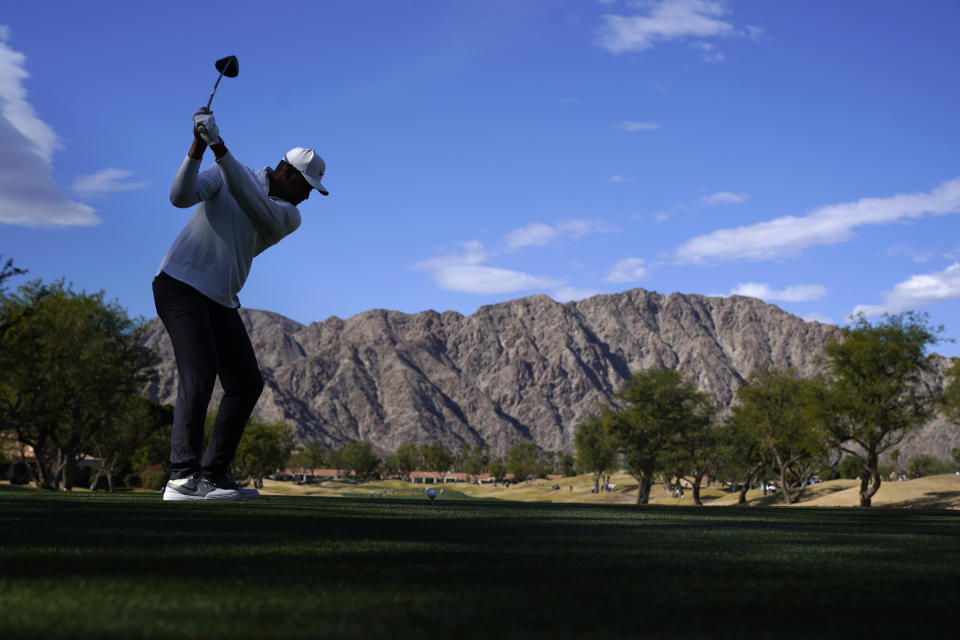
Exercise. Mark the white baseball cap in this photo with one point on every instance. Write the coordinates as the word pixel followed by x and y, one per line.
pixel 310 165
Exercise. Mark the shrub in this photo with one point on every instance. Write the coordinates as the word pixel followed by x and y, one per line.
pixel 850 467
pixel 153 477
pixel 927 465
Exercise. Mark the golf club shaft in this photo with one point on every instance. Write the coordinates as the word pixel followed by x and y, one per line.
pixel 227 66
pixel 215 85
pixel 202 129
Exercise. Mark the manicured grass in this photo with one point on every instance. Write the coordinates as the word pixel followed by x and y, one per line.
pixel 131 566
pixel 933 492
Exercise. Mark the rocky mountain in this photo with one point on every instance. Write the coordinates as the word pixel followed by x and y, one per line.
pixel 527 368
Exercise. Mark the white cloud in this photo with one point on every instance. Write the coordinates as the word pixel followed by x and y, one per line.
pixel 467 273
pixel 106 181
pixel 618 179
pixel 13 101
pixel 566 294
pixel 667 20
pixel 709 53
pixel 723 197
pixel 575 229
pixel 539 234
pixel 754 32
pixel 29 195
pixel 916 292
pixel 916 255
pixel 483 279
pixel 535 234
pixel 818 317
pixel 628 270
pixel 790 235
pixel 796 293
pixel 638 126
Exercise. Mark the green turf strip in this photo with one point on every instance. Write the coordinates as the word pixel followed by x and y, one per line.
pixel 132 566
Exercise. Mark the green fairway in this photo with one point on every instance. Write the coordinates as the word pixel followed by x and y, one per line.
pixel 131 566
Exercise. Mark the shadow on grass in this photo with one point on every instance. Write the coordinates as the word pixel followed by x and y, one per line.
pixel 820 491
pixel 477 568
pixel 770 500
pixel 929 500
pixel 6 486
pixel 812 492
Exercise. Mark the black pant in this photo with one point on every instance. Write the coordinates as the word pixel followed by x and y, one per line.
pixel 209 340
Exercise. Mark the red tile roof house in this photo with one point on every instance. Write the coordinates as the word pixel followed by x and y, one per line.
pixel 433 477
pixel 319 474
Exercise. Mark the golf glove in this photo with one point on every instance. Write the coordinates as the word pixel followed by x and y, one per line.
pixel 206 127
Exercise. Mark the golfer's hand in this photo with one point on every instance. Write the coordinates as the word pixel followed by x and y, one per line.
pixel 205 127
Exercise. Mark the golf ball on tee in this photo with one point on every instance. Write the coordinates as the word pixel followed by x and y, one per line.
pixel 431 493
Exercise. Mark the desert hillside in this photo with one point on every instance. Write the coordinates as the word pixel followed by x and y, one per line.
pixel 529 368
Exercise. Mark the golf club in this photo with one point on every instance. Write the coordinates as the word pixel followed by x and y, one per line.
pixel 228 66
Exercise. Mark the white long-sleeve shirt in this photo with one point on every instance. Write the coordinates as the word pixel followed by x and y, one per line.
pixel 236 220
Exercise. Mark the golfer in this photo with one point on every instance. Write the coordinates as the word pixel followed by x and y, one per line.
pixel 239 214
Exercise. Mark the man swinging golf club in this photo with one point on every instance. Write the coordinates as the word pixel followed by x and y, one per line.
pixel 239 213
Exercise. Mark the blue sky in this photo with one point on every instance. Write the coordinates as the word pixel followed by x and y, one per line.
pixel 806 153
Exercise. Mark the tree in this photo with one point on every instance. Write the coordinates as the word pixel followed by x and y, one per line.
pixel 567 464
pixel 405 459
pixel 924 464
pixel 436 457
pixel 124 433
pixel 360 458
pixel 316 453
pixel 878 398
pixel 334 459
pixel 70 362
pixel 151 459
pixel 895 459
pixel 310 456
pixel 849 468
pixel 264 448
pixel 741 457
pixel 8 271
pixel 785 414
pixel 497 469
pixel 658 406
pixel 548 463
pixel 596 450
pixel 523 460
pixel 949 402
pixel 409 458
pixel 474 459
pixel 695 451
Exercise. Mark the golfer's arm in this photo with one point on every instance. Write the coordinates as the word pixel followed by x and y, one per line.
pixel 272 220
pixel 183 191
pixel 190 185
pixel 197 149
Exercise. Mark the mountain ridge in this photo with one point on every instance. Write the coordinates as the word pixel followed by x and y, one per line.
pixel 528 368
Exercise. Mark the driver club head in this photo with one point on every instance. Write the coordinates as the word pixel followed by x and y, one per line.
pixel 228 66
